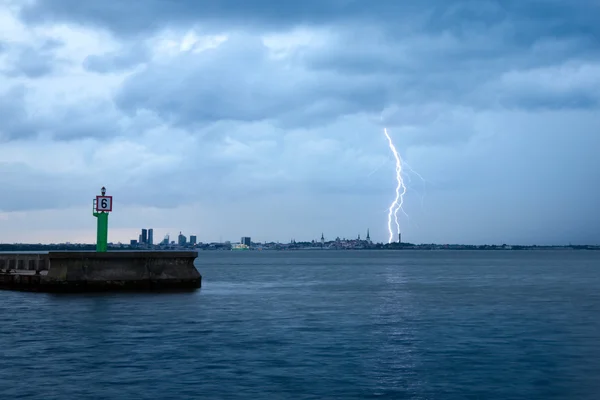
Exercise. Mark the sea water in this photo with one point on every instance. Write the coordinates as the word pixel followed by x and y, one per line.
pixel 321 324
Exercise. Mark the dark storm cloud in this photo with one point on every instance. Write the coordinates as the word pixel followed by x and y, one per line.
pixel 30 189
pixel 557 101
pixel 542 17
pixel 125 58
pixel 33 62
pixel 384 52
pixel 92 119
pixel 134 17
pixel 570 85
pixel 13 116
pixel 237 81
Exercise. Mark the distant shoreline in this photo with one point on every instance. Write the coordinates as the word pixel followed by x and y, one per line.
pixel 17 247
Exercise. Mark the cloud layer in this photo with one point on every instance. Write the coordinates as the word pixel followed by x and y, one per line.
pixel 265 119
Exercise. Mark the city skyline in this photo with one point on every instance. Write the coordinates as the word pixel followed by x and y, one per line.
pixel 145 238
pixel 146 235
pixel 365 236
pixel 268 119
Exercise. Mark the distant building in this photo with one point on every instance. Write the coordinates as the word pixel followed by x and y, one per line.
pixel 322 238
pixel 193 239
pixel 368 237
pixel 181 239
pixel 150 236
pixel 144 236
pixel 133 242
pixel 246 240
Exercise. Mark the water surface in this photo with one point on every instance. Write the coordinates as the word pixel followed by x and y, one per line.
pixel 321 324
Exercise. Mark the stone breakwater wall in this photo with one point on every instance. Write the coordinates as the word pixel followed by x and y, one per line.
pixel 71 271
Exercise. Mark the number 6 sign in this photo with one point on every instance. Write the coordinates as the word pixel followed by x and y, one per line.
pixel 104 203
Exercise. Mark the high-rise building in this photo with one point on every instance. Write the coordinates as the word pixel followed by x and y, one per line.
pixel 144 236
pixel 151 236
pixel 246 240
pixel 181 239
pixel 193 239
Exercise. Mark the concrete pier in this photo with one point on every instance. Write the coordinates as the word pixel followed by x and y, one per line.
pixel 23 261
pixel 81 271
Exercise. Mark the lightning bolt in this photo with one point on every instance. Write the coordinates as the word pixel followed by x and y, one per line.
pixel 400 190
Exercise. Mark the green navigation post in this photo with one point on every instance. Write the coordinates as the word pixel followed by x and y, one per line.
pixel 102 206
pixel 102 235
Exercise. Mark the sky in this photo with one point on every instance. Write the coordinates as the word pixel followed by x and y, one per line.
pixel 265 118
